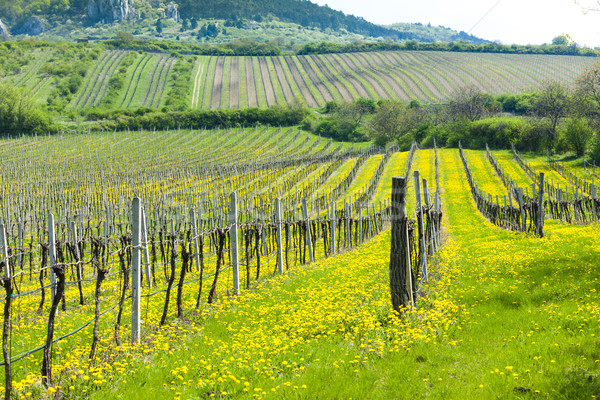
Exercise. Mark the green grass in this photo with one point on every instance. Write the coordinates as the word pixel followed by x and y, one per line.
pixel 505 315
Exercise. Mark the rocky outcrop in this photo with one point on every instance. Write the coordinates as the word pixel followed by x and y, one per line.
pixel 110 10
pixel 32 27
pixel 3 29
pixel 172 12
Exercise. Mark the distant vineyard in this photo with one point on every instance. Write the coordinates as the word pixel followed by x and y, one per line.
pixel 234 82
pixel 221 82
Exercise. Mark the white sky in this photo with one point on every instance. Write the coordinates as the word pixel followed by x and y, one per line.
pixel 509 21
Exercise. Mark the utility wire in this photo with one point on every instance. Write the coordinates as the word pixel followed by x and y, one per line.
pixel 484 15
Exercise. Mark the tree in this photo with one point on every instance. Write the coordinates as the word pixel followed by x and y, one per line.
pixel 560 40
pixel 470 103
pixel 19 113
pixel 552 105
pixel 578 135
pixel 159 26
pixel 588 83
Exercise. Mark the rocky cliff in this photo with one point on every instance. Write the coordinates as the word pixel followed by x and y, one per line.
pixel 3 29
pixel 110 10
pixel 33 26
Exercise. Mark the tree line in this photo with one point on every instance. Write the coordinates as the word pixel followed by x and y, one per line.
pixel 553 117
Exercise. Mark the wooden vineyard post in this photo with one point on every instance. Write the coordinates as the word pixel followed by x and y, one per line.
pixel 400 273
pixel 6 282
pixel 348 226
pixel 333 232
pixel 136 224
pixel 233 238
pixel 360 239
pixel 522 208
pixel 308 237
pixel 4 254
pixel 147 271
pixel 196 243
pixel 422 244
pixel 593 190
pixel 432 239
pixel 51 255
pixel 279 236
pixel 541 206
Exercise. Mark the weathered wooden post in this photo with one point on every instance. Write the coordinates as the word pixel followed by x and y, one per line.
pixel 522 208
pixel 348 226
pixel 333 227
pixel 195 233
pixel 593 190
pixel 136 236
pixel 400 271
pixel 308 235
pixel 233 239
pixel 4 253
pixel 147 270
pixel 541 206
pixel 51 255
pixel 432 239
pixel 279 236
pixel 422 244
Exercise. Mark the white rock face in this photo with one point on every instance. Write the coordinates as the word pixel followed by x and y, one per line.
pixel 172 12
pixel 3 29
pixel 110 10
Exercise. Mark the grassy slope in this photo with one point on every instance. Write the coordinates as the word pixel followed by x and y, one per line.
pixel 505 316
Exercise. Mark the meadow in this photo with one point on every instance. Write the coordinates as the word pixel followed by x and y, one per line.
pixel 503 314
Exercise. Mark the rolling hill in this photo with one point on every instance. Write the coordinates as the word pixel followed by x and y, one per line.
pixel 218 82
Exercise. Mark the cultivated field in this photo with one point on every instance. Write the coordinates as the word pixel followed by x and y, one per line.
pixel 501 312
pixel 219 82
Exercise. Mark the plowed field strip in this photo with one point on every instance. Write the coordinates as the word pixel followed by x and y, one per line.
pixel 285 81
pixel 234 83
pixel 268 84
pixel 318 83
pixel 218 84
pixel 251 83
pixel 350 75
pixel 333 77
pixel 208 84
pixel 306 91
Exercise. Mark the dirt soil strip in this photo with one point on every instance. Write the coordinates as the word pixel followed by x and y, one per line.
pixel 288 83
pixel 304 91
pixel 358 86
pixel 159 64
pixel 218 85
pixel 385 90
pixel 282 79
pixel 90 81
pixel 163 82
pixel 327 96
pixel 112 70
pixel 269 91
pixel 333 77
pixel 234 83
pixel 359 68
pixel 250 83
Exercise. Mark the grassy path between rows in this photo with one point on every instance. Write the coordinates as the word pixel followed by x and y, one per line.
pixel 505 315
